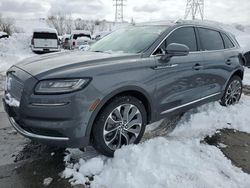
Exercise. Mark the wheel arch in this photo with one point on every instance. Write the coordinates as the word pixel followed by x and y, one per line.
pixel 238 72
pixel 134 91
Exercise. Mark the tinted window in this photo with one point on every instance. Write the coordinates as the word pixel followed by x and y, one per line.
pixel 80 35
pixel 45 35
pixel 210 39
pixel 228 43
pixel 184 36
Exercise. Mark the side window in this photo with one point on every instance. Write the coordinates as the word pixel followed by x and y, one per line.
pixel 228 43
pixel 210 39
pixel 185 35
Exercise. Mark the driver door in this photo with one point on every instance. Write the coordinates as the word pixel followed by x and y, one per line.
pixel 179 79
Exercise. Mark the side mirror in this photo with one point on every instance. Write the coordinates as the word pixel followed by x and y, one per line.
pixel 175 49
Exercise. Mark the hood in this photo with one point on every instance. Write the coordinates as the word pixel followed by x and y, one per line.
pixel 66 60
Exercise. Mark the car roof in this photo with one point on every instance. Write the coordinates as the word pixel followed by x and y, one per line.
pixel 45 30
pixel 2 33
pixel 180 22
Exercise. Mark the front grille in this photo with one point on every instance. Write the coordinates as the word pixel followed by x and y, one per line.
pixel 14 87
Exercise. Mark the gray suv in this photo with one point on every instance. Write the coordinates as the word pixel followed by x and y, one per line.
pixel 134 76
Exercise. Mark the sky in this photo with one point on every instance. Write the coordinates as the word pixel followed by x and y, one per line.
pixel 227 11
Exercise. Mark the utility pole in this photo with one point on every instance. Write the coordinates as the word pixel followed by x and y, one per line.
pixel 119 5
pixel 193 8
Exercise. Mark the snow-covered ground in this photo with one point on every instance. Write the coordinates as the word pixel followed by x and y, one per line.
pixel 246 80
pixel 179 159
pixel 14 49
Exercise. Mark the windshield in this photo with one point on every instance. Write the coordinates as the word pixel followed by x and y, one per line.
pixel 134 39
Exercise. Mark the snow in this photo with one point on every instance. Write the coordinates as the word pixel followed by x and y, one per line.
pixel 14 49
pixel 246 80
pixel 11 101
pixel 3 33
pixel 47 181
pixel 45 30
pixel 175 160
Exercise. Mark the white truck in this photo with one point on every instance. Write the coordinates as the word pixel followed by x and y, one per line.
pixel 45 40
pixel 78 38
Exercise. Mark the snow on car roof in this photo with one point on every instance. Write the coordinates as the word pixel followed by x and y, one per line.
pixel 3 33
pixel 45 30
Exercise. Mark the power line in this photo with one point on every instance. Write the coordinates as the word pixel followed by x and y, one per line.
pixel 119 5
pixel 193 8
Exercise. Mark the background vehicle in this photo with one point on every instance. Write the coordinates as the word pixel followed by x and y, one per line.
pixel 45 40
pixel 130 78
pixel 3 35
pixel 75 42
pixel 65 41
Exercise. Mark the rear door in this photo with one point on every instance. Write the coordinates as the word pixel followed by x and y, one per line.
pixel 45 40
pixel 179 80
pixel 216 70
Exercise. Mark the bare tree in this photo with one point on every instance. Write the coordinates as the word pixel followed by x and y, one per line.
pixel 61 22
pixel 7 25
pixel 80 24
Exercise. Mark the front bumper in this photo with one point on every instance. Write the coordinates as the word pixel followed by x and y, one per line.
pixel 61 133
pixel 44 49
pixel 60 120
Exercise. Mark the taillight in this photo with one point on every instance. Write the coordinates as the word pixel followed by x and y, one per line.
pixel 32 41
pixel 74 43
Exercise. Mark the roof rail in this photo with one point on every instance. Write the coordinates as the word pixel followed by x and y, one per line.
pixel 200 22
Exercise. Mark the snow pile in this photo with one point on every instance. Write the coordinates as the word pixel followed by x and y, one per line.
pixel 246 80
pixel 11 101
pixel 14 49
pixel 177 160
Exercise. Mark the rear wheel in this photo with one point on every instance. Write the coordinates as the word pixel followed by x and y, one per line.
pixel 121 122
pixel 233 91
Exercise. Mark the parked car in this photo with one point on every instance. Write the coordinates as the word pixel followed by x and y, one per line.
pixel 45 40
pixel 135 76
pixel 3 35
pixel 74 41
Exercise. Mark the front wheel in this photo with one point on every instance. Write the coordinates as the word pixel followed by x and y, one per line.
pixel 121 122
pixel 233 91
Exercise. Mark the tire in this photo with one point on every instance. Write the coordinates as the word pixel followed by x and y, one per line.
pixel 233 92
pixel 112 128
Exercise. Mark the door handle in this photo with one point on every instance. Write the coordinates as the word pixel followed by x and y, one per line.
pixel 228 62
pixel 197 66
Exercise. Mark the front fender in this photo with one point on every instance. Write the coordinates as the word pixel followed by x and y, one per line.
pixel 112 94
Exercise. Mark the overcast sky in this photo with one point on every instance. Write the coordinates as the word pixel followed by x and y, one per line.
pixel 228 11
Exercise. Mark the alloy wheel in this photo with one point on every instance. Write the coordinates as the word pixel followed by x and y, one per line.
pixel 233 93
pixel 123 126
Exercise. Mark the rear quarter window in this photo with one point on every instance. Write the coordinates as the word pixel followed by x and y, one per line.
pixel 228 43
pixel 45 35
pixel 210 39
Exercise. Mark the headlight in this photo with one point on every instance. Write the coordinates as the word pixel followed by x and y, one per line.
pixel 60 86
